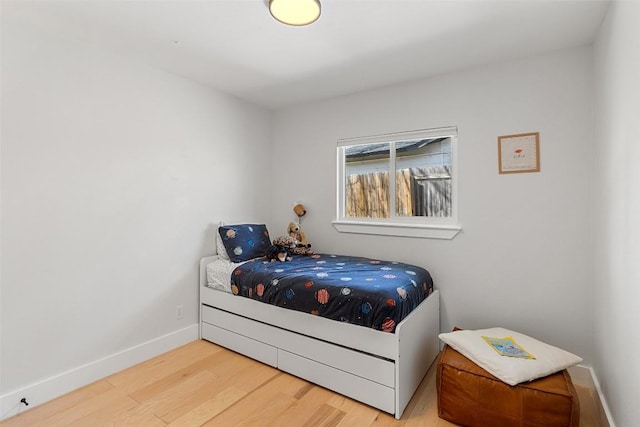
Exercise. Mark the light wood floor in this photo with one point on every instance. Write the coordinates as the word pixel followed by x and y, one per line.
pixel 202 384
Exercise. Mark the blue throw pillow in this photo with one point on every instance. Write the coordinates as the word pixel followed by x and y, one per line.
pixel 245 241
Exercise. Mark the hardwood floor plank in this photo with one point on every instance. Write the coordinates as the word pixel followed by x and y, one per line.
pixel 103 415
pixel 55 406
pixel 64 402
pixel 356 414
pixel 148 371
pixel 147 389
pixel 288 385
pixel 245 377
pixel 266 404
pixel 136 417
pixel 589 416
pixel 310 407
pixel 248 375
pixel 325 416
pixel 303 391
pixel 179 398
pixel 209 408
pixel 229 390
pixel 84 413
pixel 260 410
pixel 423 409
pixel 383 419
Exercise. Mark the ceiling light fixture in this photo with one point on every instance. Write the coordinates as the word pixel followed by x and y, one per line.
pixel 295 12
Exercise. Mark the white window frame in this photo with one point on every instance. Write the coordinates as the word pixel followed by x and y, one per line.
pixel 422 227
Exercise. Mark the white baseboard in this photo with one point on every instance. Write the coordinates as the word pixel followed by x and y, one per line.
pixel 586 377
pixel 603 401
pixel 63 383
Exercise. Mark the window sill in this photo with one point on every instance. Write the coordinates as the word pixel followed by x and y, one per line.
pixel 422 231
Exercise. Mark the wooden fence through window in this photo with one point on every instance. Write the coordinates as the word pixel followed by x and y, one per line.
pixel 419 192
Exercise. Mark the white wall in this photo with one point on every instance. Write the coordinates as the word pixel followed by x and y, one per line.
pixel 110 175
pixel 617 211
pixel 113 175
pixel 523 260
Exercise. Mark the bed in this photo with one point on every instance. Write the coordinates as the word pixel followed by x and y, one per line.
pixel 380 368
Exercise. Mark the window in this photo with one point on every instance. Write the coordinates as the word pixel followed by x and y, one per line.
pixel 398 184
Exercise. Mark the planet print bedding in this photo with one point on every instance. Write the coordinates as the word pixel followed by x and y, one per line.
pixel 362 291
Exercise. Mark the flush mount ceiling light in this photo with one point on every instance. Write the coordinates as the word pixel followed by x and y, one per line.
pixel 295 12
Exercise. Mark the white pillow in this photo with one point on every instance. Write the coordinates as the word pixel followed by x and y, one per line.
pixel 512 370
pixel 222 252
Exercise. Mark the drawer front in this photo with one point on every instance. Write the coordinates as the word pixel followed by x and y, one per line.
pixel 379 370
pixel 233 322
pixel 358 388
pixel 254 349
pixel 363 365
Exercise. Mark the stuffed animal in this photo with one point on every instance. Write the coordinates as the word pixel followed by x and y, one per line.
pixel 281 249
pixel 302 250
pixel 278 253
pixel 296 232
pixel 292 245
pixel 286 241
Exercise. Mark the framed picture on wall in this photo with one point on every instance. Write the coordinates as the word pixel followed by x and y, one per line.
pixel 519 153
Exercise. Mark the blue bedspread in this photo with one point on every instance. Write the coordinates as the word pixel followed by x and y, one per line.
pixel 362 291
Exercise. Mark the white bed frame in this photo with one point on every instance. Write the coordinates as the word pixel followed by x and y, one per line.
pixel 377 368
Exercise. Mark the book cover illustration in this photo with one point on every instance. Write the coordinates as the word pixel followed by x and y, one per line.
pixel 507 346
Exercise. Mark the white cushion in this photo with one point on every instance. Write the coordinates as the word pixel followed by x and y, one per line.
pixel 512 370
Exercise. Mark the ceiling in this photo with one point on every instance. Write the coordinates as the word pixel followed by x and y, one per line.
pixel 236 46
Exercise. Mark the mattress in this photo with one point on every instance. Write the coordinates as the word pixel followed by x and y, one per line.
pixel 366 292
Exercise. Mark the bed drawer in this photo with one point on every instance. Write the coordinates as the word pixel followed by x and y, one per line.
pixel 254 349
pixel 363 365
pixel 369 367
pixel 358 388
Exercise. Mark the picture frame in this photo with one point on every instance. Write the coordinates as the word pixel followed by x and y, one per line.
pixel 519 153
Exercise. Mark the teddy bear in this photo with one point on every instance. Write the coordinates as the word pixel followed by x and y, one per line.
pixel 296 232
